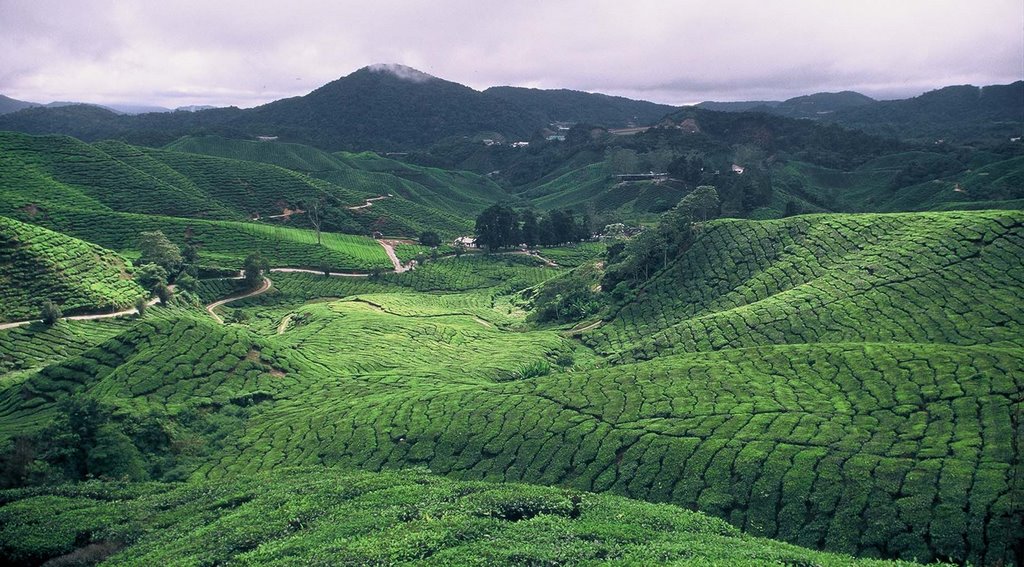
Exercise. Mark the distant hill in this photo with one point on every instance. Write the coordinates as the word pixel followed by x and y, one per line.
pixel 8 104
pixel 955 114
pixel 807 106
pixel 576 106
pixel 387 107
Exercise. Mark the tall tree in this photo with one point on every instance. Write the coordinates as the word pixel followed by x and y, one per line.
pixel 497 227
pixel 315 213
pixel 253 269
pixel 157 249
pixel 530 229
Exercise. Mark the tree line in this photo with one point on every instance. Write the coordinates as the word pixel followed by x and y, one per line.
pixel 501 226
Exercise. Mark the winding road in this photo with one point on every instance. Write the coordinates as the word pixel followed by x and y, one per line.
pixel 264 287
pixel 369 202
pixel 389 249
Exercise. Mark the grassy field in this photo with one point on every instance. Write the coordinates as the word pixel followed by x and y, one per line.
pixel 37 264
pixel 842 382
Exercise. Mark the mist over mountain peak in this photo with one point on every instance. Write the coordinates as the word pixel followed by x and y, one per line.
pixel 401 71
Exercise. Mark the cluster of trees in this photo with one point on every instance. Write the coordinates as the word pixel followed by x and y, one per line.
pixel 739 193
pixel 632 261
pixel 161 263
pixel 84 441
pixel 501 226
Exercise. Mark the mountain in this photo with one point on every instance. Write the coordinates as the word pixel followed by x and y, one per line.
pixel 956 114
pixel 576 106
pixel 807 106
pixel 382 107
pixel 135 108
pixel 8 104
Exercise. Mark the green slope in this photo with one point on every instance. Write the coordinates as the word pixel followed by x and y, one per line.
pixel 50 173
pixel 944 278
pixel 37 264
pixel 222 243
pixel 844 382
pixel 312 516
pixel 420 198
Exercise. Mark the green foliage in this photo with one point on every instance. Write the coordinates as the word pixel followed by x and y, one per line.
pixel 38 263
pixel 140 306
pixel 155 248
pixel 151 275
pixel 253 269
pixel 50 313
pixel 225 244
pixel 315 514
pixel 571 297
pixel 164 293
pixel 430 239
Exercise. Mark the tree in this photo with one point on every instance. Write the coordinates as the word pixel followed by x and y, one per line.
pixel 253 269
pixel 700 203
pixel 163 292
pixel 430 238
pixel 50 313
pixel 151 275
pixel 792 208
pixel 497 227
pixel 530 229
pixel 315 214
pixel 140 306
pixel 157 249
pixel 460 249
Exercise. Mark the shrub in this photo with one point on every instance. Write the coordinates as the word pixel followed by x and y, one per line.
pixel 164 293
pixel 151 275
pixel 50 313
pixel 430 238
pixel 140 306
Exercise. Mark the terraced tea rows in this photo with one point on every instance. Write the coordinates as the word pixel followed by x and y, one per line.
pixel 225 243
pixel 874 450
pixel 317 516
pixel 37 264
pixel 819 409
pixel 35 346
pixel 928 278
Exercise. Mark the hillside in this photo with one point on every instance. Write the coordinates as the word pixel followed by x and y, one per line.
pixel 443 191
pixel 51 175
pixel 313 515
pixel 8 104
pixel 842 382
pixel 37 264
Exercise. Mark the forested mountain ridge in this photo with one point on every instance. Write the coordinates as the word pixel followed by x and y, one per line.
pixel 963 113
pixel 380 107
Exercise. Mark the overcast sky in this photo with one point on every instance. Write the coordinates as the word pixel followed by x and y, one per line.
pixel 245 53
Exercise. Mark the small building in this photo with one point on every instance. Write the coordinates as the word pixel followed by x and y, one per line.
pixel 266 138
pixel 737 169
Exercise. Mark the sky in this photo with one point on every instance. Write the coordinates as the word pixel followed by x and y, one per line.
pixel 245 53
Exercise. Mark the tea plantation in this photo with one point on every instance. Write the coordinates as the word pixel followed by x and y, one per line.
pixel 318 516
pixel 37 264
pixel 848 383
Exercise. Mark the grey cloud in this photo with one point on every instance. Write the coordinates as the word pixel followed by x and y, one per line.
pixel 246 53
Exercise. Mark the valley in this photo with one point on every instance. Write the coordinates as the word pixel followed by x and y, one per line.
pixel 734 338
